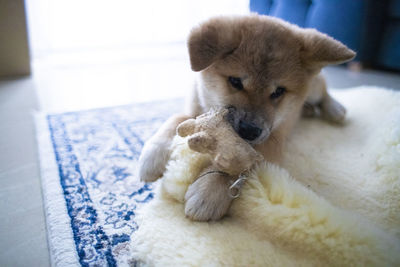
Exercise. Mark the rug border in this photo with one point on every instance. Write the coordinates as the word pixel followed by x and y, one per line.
pixel 60 238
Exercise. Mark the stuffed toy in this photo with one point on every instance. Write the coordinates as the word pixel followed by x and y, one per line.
pixel 231 159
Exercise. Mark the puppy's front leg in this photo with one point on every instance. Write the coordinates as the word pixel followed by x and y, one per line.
pixel 156 151
pixel 208 197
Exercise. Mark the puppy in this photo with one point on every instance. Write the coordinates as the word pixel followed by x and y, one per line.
pixel 264 69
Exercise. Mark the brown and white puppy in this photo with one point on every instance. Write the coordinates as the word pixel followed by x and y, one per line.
pixel 267 70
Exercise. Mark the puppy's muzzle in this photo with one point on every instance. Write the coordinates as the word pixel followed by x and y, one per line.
pixel 245 127
pixel 249 131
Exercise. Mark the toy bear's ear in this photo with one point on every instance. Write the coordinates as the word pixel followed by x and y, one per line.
pixel 319 50
pixel 202 142
pixel 186 128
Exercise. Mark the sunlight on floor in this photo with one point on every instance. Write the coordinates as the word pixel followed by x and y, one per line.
pixel 114 81
pixel 96 53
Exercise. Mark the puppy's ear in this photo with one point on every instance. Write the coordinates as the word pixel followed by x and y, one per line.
pixel 320 50
pixel 212 40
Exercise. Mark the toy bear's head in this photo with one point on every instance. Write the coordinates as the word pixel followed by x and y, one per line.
pixel 212 134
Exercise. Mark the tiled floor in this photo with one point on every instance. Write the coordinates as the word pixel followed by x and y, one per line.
pixel 64 86
pixel 22 225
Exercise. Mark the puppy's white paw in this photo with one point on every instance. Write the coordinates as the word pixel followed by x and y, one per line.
pixel 332 110
pixel 207 198
pixel 152 161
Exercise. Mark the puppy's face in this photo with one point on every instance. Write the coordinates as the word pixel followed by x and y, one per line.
pixel 259 67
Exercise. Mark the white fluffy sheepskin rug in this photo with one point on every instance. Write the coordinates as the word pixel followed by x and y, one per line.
pixel 334 202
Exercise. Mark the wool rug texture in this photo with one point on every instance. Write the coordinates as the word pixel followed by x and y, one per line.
pixel 334 201
pixel 90 188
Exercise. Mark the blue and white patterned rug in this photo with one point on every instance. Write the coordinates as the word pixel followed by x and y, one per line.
pixel 90 188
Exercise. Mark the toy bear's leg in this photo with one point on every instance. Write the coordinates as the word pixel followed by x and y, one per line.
pixel 319 102
pixel 156 151
pixel 208 197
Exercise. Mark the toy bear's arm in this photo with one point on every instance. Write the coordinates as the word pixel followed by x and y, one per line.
pixel 186 128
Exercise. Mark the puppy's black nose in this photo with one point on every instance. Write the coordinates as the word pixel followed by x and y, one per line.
pixel 249 131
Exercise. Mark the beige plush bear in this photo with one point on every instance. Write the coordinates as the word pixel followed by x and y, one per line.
pixel 212 134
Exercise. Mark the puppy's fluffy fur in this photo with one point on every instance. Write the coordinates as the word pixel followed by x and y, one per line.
pixel 264 68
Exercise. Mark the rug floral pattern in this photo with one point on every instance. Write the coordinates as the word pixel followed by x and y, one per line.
pixel 96 153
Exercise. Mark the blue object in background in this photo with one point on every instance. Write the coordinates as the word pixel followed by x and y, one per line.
pixel 389 54
pixel 293 11
pixel 261 7
pixel 370 27
pixel 339 19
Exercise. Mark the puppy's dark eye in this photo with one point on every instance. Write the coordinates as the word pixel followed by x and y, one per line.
pixel 236 82
pixel 278 92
